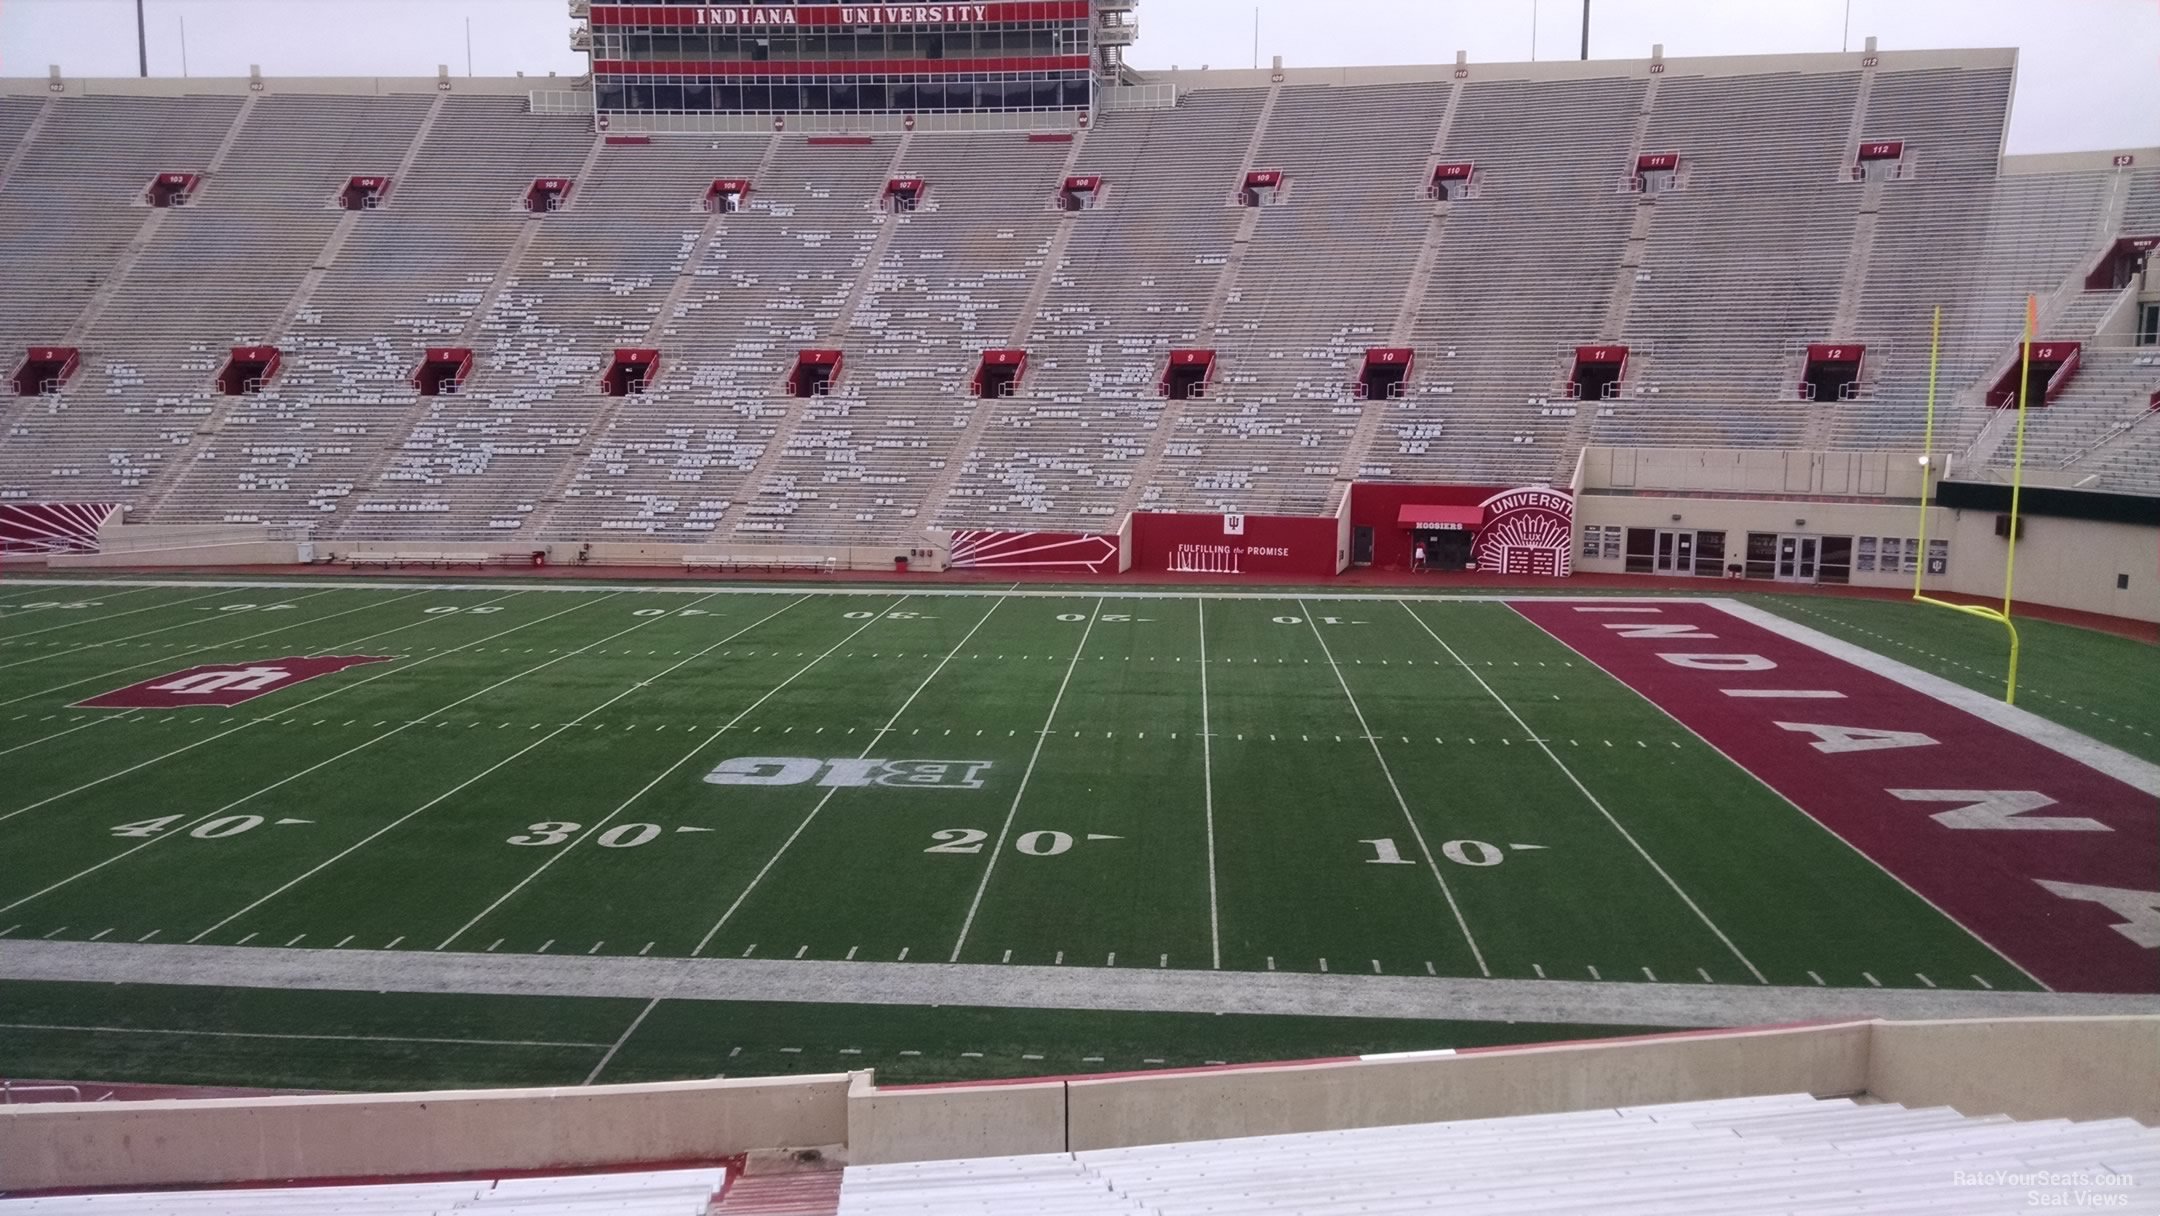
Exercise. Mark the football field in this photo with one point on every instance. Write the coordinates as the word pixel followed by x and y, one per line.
pixel 1236 782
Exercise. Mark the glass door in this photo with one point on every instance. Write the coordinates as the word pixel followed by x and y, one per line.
pixel 1798 558
pixel 1675 552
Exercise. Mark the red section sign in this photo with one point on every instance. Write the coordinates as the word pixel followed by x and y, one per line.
pixel 2040 856
pixel 223 685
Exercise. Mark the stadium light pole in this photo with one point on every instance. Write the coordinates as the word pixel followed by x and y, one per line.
pixel 142 41
pixel 1586 29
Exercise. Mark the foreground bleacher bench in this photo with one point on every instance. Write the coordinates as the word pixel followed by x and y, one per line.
pixel 1790 1153
pixel 662 1193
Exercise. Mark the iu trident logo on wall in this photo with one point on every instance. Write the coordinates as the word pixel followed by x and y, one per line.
pixel 223 685
pixel 1528 532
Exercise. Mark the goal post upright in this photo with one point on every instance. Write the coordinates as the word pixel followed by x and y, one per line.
pixel 2017 484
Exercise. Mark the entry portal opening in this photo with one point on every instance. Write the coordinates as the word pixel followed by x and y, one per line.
pixel 443 372
pixel 364 193
pixel 248 370
pixel 1186 378
pixel 1385 376
pixel 1598 373
pixel 815 373
pixel 171 189
pixel 1832 374
pixel 45 370
pixel 631 372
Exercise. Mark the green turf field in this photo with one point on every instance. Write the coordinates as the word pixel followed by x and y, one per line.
pixel 1042 779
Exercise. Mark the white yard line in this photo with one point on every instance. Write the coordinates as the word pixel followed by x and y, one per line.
pixel 1593 799
pixel 649 786
pixel 2139 774
pixel 9 616
pixel 1207 781
pixel 876 740
pixel 1802 811
pixel 304 1038
pixel 167 660
pixel 115 717
pixel 1416 832
pixel 114 616
pixel 386 673
pixel 1041 737
pixel 187 624
pixel 609 1058
pixel 1166 990
pixel 492 769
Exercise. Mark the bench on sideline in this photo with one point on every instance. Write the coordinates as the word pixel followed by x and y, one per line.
pixel 361 561
pixel 743 563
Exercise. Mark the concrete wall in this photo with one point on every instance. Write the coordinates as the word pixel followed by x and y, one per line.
pixel 120 1144
pixel 2039 1068
pixel 1376 1093
pixel 941 1122
pixel 2028 1068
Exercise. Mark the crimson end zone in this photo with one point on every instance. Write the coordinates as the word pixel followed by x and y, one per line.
pixel 2045 859
pixel 224 685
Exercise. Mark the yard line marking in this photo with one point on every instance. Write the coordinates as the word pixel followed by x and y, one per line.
pixel 609 1058
pixel 122 641
pixel 114 616
pixel 1415 831
pixel 301 1038
pixel 649 786
pixel 1593 799
pixel 874 743
pixel 470 781
pixel 282 781
pixel 282 628
pixel 385 673
pixel 1803 635
pixel 1207 775
pixel 968 925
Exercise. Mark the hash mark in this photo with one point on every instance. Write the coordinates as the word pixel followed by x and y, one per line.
pixel 1594 975
pixel 851 952
pixel 1649 975
pixel 1705 975
pixel 147 936
pixel 802 951
pixel 747 949
pixel 903 954
pixel 1871 979
pixel 1007 958
pixel 648 949
pixel 492 946
pixel 341 945
pixel 242 942
pixel 1923 979
pixel 1985 984
pixel 596 946
pixel 393 941
pixel 544 946
pixel 1818 980
pixel 100 933
pixel 296 941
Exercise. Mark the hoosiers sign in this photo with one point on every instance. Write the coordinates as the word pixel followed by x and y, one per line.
pixel 223 685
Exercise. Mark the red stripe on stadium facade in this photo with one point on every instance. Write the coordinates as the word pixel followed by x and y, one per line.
pixel 776 16
pixel 2043 858
pixel 837 67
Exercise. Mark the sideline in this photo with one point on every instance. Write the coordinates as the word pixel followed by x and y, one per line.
pixel 1015 987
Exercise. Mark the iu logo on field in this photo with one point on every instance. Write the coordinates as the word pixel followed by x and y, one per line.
pixel 223 685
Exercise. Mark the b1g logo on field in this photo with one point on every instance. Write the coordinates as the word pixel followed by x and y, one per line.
pixel 223 685
pixel 850 774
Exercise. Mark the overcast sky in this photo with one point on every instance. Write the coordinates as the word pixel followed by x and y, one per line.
pixel 2089 70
